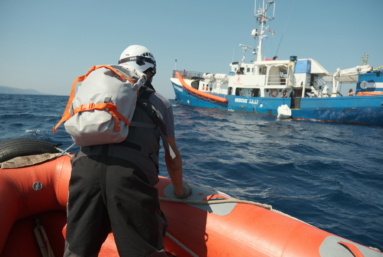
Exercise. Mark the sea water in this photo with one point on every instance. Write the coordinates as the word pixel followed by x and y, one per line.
pixel 327 174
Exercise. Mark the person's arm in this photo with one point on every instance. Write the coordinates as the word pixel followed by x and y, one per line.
pixel 174 166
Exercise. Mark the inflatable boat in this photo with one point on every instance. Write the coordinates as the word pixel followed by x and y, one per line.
pixel 33 200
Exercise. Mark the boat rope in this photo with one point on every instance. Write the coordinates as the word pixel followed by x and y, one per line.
pixel 266 206
pixel 65 152
pixel 284 29
pixel 42 240
pixel 374 248
pixel 181 244
pixel 381 67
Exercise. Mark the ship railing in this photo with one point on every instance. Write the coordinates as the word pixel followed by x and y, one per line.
pixel 320 84
pixel 188 74
pixel 276 81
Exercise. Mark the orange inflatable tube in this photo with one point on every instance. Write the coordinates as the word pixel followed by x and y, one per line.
pixel 371 93
pixel 196 227
pixel 30 193
pixel 200 93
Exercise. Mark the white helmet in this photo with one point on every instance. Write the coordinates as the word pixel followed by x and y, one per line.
pixel 138 57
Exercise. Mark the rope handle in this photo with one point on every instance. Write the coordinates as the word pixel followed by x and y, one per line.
pixel 266 206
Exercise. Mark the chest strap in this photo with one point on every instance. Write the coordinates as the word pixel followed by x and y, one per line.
pixel 154 126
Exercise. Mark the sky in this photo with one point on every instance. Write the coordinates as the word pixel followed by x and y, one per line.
pixel 45 45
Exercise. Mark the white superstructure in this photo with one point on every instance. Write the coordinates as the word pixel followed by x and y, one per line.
pixel 272 77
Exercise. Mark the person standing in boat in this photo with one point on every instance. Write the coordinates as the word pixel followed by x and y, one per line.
pixel 350 92
pixel 112 186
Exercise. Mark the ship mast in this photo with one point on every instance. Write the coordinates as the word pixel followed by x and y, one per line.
pixel 262 18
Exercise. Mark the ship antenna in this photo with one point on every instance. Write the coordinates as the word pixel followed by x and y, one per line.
pixel 262 18
pixel 244 49
pixel 284 29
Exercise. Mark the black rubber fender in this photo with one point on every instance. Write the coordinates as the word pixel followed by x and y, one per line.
pixel 24 146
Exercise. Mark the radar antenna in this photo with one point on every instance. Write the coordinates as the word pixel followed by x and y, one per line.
pixel 244 49
pixel 262 18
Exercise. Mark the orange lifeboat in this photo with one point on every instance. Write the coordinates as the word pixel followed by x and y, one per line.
pixel 370 93
pixel 199 93
pixel 32 213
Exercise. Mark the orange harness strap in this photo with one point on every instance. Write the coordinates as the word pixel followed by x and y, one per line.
pixel 113 110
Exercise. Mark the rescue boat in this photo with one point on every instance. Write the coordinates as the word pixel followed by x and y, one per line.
pixel 33 202
pixel 300 85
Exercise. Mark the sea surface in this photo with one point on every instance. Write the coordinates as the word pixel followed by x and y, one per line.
pixel 326 174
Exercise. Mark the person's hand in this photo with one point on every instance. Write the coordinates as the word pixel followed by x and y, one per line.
pixel 187 191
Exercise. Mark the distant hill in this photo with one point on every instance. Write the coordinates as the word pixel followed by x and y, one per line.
pixel 13 90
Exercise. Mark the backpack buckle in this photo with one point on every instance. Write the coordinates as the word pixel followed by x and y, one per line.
pixel 84 108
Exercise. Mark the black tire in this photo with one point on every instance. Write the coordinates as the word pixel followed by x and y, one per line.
pixel 24 146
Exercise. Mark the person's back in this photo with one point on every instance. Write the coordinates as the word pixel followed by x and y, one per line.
pixel 143 140
pixel 112 186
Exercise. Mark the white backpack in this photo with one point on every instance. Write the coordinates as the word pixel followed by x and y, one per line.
pixel 101 110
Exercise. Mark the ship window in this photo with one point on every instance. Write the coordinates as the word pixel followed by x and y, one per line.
pixel 255 92
pixel 243 92
pixel 248 70
pixel 262 70
pixel 229 90
pixel 194 84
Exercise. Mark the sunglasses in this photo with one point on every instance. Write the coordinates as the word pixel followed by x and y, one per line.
pixel 140 60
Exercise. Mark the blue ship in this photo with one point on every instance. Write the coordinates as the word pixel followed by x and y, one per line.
pixel 300 89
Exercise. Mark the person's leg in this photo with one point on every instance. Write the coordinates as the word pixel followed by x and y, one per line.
pixel 88 222
pixel 136 219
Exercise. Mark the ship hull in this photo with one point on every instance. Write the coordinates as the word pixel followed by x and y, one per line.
pixel 347 109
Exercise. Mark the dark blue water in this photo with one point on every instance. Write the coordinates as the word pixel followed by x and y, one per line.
pixel 328 175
